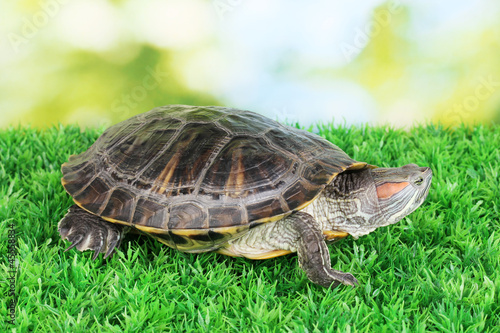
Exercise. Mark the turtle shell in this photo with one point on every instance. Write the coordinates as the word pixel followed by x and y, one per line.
pixel 195 177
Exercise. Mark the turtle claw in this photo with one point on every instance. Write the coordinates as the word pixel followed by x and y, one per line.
pixel 89 232
pixel 97 251
pixel 114 240
pixel 349 280
pixel 108 253
pixel 112 245
pixel 77 239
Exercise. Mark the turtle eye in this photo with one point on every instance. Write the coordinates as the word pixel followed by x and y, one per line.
pixel 419 181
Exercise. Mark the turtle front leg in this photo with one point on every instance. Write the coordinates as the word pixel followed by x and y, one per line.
pixel 295 233
pixel 87 231
pixel 314 257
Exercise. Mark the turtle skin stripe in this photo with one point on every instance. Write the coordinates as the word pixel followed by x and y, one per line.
pixel 206 169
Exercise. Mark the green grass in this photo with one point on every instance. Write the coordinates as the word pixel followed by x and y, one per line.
pixel 437 270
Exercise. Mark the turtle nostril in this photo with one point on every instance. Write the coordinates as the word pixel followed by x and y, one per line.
pixel 425 169
pixel 410 166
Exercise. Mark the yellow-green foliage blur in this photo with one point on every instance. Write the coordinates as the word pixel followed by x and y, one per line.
pixel 96 62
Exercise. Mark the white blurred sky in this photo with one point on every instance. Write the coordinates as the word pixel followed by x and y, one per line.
pixel 255 55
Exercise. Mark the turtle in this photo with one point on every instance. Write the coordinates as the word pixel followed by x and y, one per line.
pixel 212 178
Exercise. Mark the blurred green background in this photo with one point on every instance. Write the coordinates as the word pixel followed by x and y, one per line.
pixel 96 62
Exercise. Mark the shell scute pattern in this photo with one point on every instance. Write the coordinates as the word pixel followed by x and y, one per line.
pixel 195 176
pixel 245 164
pixel 237 123
pixel 191 214
pixel 120 205
pixel 94 195
pixel 129 157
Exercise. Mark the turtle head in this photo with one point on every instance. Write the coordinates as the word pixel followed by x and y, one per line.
pixel 359 201
pixel 401 190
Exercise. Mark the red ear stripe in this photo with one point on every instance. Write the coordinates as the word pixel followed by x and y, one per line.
pixel 387 190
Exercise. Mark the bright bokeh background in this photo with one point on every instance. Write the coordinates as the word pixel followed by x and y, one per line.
pixel 96 62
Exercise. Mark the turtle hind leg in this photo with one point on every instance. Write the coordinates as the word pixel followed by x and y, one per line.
pixel 89 232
